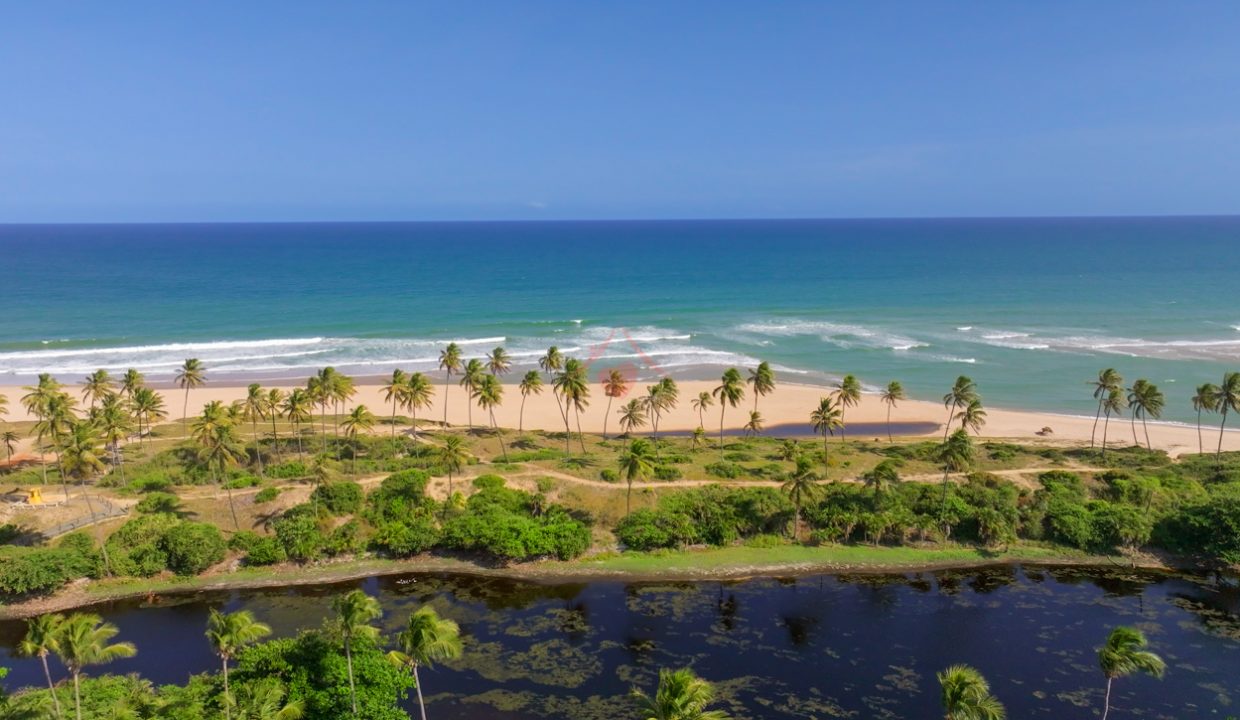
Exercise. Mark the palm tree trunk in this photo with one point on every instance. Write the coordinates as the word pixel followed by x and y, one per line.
pixel 77 697
pixel 1132 421
pixel 393 417
pixel 796 523
pixel 888 423
pixel 413 411
pixel 581 438
pixel 1095 430
pixel 258 449
pixel 227 694
pixel 1105 426
pixel 722 407
pixel 495 428
pixel 946 430
pixel 1106 702
pixel 843 426
pixel 825 466
pixel 185 413
pixel 628 498
pixel 1146 428
pixel 417 684
pixel 348 656
pixel 568 431
pixel 50 685
pixel 231 507
pixel 521 417
pixel 447 385
pixel 606 415
pixel 275 437
pixel 1218 454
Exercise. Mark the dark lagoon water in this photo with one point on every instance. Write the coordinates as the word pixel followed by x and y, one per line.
pixel 810 647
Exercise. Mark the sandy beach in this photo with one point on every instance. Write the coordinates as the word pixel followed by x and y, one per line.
pixel 789 405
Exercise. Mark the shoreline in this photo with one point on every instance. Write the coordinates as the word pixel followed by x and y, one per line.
pixel 88 593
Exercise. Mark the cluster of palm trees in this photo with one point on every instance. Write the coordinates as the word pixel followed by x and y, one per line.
pixel 1146 401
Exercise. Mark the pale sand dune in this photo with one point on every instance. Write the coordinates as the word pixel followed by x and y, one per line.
pixel 789 404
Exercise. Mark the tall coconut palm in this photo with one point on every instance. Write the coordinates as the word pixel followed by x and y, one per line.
pixel 801 487
pixel 531 384
pixel 614 385
pixel 965 695
pixel 847 394
pixel 360 420
pixel 97 386
pixel 84 639
pixel 729 391
pixel 762 379
pixel 43 639
pixel 892 394
pixel 632 416
pixel 660 398
pixel 38 402
pixel 342 390
pixel 698 438
pixel 573 388
pixel 318 390
pixel 489 395
pixel 355 611
pixel 1108 380
pixel 972 416
pixel 471 377
pixel 884 474
pixel 10 439
pixel 1228 399
pixel 452 456
pixel 131 381
pixel 273 408
pixel 4 406
pixel 296 408
pixel 449 362
pixel 962 392
pixel 418 395
pixel 956 454
pixel 148 407
pixel 394 391
pixel 1112 405
pixel 1124 654
pixel 499 362
pixel 1146 401
pixel 253 409
pixel 701 403
pixel 636 464
pixel 754 425
pixel 1205 400
pixel 426 639
pixel 190 375
pixel 229 634
pixel 826 419
pixel 552 363
pixel 220 449
pixel 114 423
pixel 681 695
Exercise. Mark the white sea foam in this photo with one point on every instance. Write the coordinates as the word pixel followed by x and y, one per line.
pixel 843 335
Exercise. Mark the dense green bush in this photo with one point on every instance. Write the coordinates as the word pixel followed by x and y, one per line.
pixel 407 537
pixel 41 570
pixel 159 502
pixel 298 532
pixel 609 475
pixel 339 498
pixel 648 529
pixel 400 496
pixel 667 472
pixel 291 470
pixel 192 547
pixel 266 495
pixel 266 550
pixel 503 522
pixel 725 470
pixel 135 548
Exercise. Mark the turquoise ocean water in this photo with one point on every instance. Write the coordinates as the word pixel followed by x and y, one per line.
pixel 1031 309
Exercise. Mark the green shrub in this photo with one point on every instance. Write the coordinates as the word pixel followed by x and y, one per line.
pixel 243 481
pixel 739 456
pixel 488 482
pixel 405 538
pixel 291 470
pixel 266 495
pixel 265 550
pixel 667 472
pixel 545 484
pixel 647 529
pixel 298 533
pixel 339 498
pixel 38 571
pixel 193 547
pixel 159 502
pixel 609 475
pixel 726 470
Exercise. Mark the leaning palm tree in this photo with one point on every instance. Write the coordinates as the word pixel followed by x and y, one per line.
pixel 531 384
pixel 972 416
pixel 884 474
pixel 1112 405
pixel 701 403
pixel 551 363
pixel 471 377
pixel 489 395
pixel 681 695
pixel 614 385
pixel 956 454
pixel 801 487
pixel 426 640
pixel 297 406
pixel 190 375
pixel 229 634
pixel 131 381
pixel 1205 399
pixel 1147 401
pixel 965 695
pixel 114 423
pixel 393 391
pixel 826 419
pixel 636 464
pixel 499 362
pixel 253 409
pixel 892 394
pixel 449 362
pixel 632 416
pixel 10 439
pixel 452 455
pixel 83 640
pixel 762 378
pixel 355 611
pixel 220 449
pixel 43 639
pixel 97 386
pixel 754 426
pixel 273 403
pixel 359 421
pixel 418 395
pixel 1108 380
pixel 847 394
pixel 1124 654
pixel 573 389
pixel 729 391
pixel 1228 399
pixel 660 398
pixel 148 407
pixel 960 395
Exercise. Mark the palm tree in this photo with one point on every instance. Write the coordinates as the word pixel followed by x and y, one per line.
pixel 42 639
pixel 355 611
pixel 499 362
pixel 190 375
pixel 82 639
pixel 1146 400
pixel 966 695
pixel 956 454
pixel 882 475
pixel 892 394
pixel 273 403
pixel 531 384
pixel 130 382
pixel 360 420
pixel 38 401
pixel 636 464
pixel 229 634
pixel 698 438
pixel 801 487
pixel 97 386
pixel 425 640
pixel 297 407
pixel 701 403
pixel 961 393
pixel 1228 399
pixel 552 363
pixel 1205 399
pixel 318 389
pixel 417 396
pixel 342 389
pixel 394 390
pixel 681 695
pixel 847 394
pixel 490 394
pixel 452 456
pixel 114 422
pixel 1124 654
pixel 1108 380
pixel 219 449
pixel 754 426
pixel 1112 405
pixel 972 416
pixel 826 419
pixel 263 699
pixel 614 386
pixel 762 378
pixel 572 387
pixel 449 362
pixel 730 391
pixel 253 409
pixel 471 377
pixel 148 407
pixel 632 416
pixel 9 438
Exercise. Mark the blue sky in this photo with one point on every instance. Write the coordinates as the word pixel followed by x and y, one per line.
pixel 125 111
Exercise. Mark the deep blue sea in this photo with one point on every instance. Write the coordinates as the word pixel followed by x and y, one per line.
pixel 1031 309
